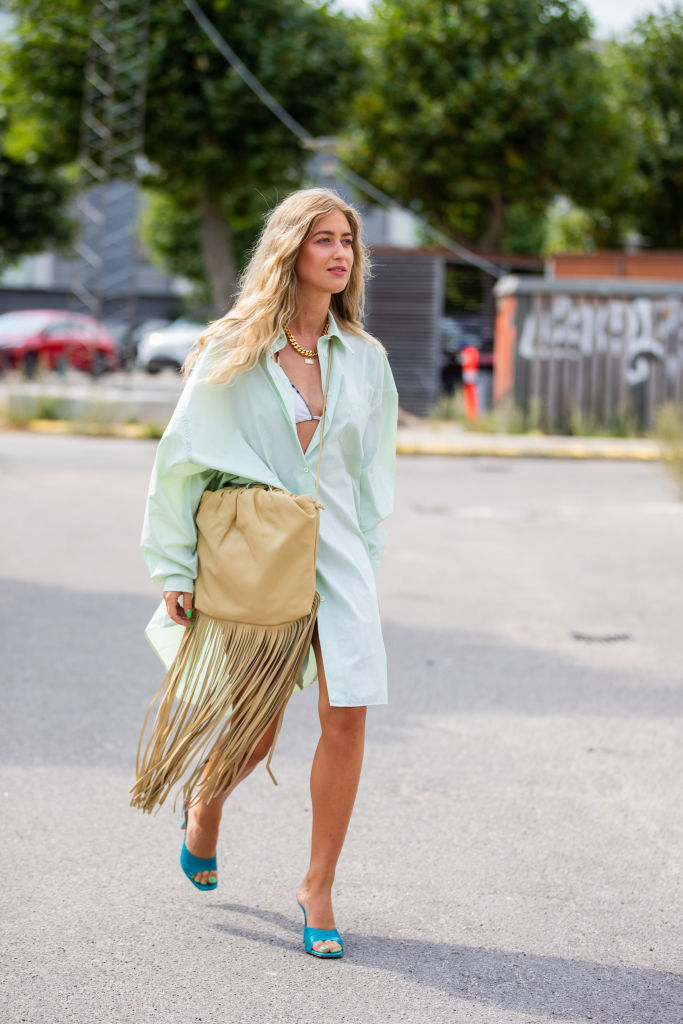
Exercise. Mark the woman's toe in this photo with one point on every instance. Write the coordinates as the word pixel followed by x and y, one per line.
pixel 326 946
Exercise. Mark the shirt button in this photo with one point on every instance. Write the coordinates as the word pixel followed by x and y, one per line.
pixel 305 469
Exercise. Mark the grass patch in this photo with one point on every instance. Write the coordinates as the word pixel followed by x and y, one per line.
pixel 508 418
pixel 152 431
pixel 669 433
pixel 505 418
pixel 18 410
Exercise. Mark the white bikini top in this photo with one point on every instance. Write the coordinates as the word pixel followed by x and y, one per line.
pixel 302 412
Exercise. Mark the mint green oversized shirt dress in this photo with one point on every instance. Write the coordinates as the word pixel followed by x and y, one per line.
pixel 245 432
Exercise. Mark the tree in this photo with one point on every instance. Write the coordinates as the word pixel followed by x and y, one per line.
pixel 481 104
pixel 214 146
pixel 170 232
pixel 650 66
pixel 33 208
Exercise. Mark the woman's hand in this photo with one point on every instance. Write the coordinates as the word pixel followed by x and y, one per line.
pixel 179 606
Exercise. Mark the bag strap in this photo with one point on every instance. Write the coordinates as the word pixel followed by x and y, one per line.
pixel 322 419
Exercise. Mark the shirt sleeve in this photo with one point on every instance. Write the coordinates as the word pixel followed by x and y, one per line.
pixel 169 533
pixel 379 467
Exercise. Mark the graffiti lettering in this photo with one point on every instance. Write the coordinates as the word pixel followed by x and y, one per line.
pixel 638 332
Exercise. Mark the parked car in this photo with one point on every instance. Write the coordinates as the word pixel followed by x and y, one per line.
pixel 457 331
pixel 168 346
pixel 128 338
pixel 455 334
pixel 55 338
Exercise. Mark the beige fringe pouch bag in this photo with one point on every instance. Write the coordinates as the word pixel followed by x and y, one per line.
pixel 255 610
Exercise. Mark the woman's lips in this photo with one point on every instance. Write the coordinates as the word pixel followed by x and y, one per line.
pixel 339 271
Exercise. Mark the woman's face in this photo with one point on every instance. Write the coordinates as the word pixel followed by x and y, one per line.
pixel 326 257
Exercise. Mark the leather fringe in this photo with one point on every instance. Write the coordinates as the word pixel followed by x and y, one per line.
pixel 227 685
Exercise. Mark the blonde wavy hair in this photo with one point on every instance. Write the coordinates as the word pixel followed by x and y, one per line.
pixel 267 296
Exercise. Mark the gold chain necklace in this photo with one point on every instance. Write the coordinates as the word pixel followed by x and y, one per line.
pixel 309 354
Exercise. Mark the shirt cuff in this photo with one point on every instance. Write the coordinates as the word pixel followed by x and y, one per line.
pixel 181 583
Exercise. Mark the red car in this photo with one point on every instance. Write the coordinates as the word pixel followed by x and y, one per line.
pixel 55 338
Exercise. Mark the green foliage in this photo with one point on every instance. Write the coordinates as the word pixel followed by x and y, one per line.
pixel 208 138
pixel 648 71
pixel 42 76
pixel 152 431
pixel 463 289
pixel 169 230
pixel 505 418
pixel 526 229
pixel 569 228
pixel 205 126
pixel 620 424
pixel 669 431
pixel 482 104
pixel 33 200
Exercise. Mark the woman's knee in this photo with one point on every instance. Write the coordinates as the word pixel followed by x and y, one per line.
pixel 343 725
pixel 261 749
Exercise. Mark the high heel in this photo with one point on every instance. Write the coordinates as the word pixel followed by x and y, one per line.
pixel 192 865
pixel 312 935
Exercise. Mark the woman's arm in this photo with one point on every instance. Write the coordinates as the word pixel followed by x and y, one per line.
pixel 169 533
pixel 379 464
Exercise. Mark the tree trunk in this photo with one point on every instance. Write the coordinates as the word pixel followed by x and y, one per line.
pixel 218 256
pixel 492 239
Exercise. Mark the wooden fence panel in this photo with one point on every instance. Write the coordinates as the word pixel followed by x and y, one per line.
pixel 607 351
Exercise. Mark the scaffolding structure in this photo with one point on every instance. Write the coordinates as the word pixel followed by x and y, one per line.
pixel 110 156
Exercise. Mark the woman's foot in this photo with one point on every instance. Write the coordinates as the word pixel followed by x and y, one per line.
pixel 201 836
pixel 319 914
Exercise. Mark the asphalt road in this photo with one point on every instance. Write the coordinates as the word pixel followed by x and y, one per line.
pixel 515 851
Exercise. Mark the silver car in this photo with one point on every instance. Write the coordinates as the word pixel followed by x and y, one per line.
pixel 168 346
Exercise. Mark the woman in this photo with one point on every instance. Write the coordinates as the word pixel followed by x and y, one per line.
pixel 250 413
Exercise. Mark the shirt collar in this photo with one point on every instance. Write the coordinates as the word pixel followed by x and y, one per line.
pixel 334 332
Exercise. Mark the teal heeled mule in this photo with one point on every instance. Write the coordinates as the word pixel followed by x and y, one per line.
pixel 192 865
pixel 312 935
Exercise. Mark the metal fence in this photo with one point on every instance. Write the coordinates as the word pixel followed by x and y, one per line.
pixel 404 304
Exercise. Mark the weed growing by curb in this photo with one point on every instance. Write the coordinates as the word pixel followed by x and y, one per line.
pixel 669 432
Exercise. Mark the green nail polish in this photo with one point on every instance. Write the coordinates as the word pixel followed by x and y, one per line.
pixel 212 880
pixel 189 613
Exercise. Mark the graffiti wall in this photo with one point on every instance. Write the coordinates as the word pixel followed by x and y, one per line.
pixel 604 351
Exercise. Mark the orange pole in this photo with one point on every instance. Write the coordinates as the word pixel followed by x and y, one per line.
pixel 469 359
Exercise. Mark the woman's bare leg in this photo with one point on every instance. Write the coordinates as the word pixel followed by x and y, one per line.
pixel 334 783
pixel 204 819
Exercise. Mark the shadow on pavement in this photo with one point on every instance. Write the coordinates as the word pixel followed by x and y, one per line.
pixel 555 987
pixel 79 661
pixel 451 671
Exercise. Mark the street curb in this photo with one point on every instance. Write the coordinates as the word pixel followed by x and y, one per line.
pixel 485 446
pixel 521 451
pixel 131 431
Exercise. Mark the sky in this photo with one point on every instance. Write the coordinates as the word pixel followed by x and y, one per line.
pixel 611 17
